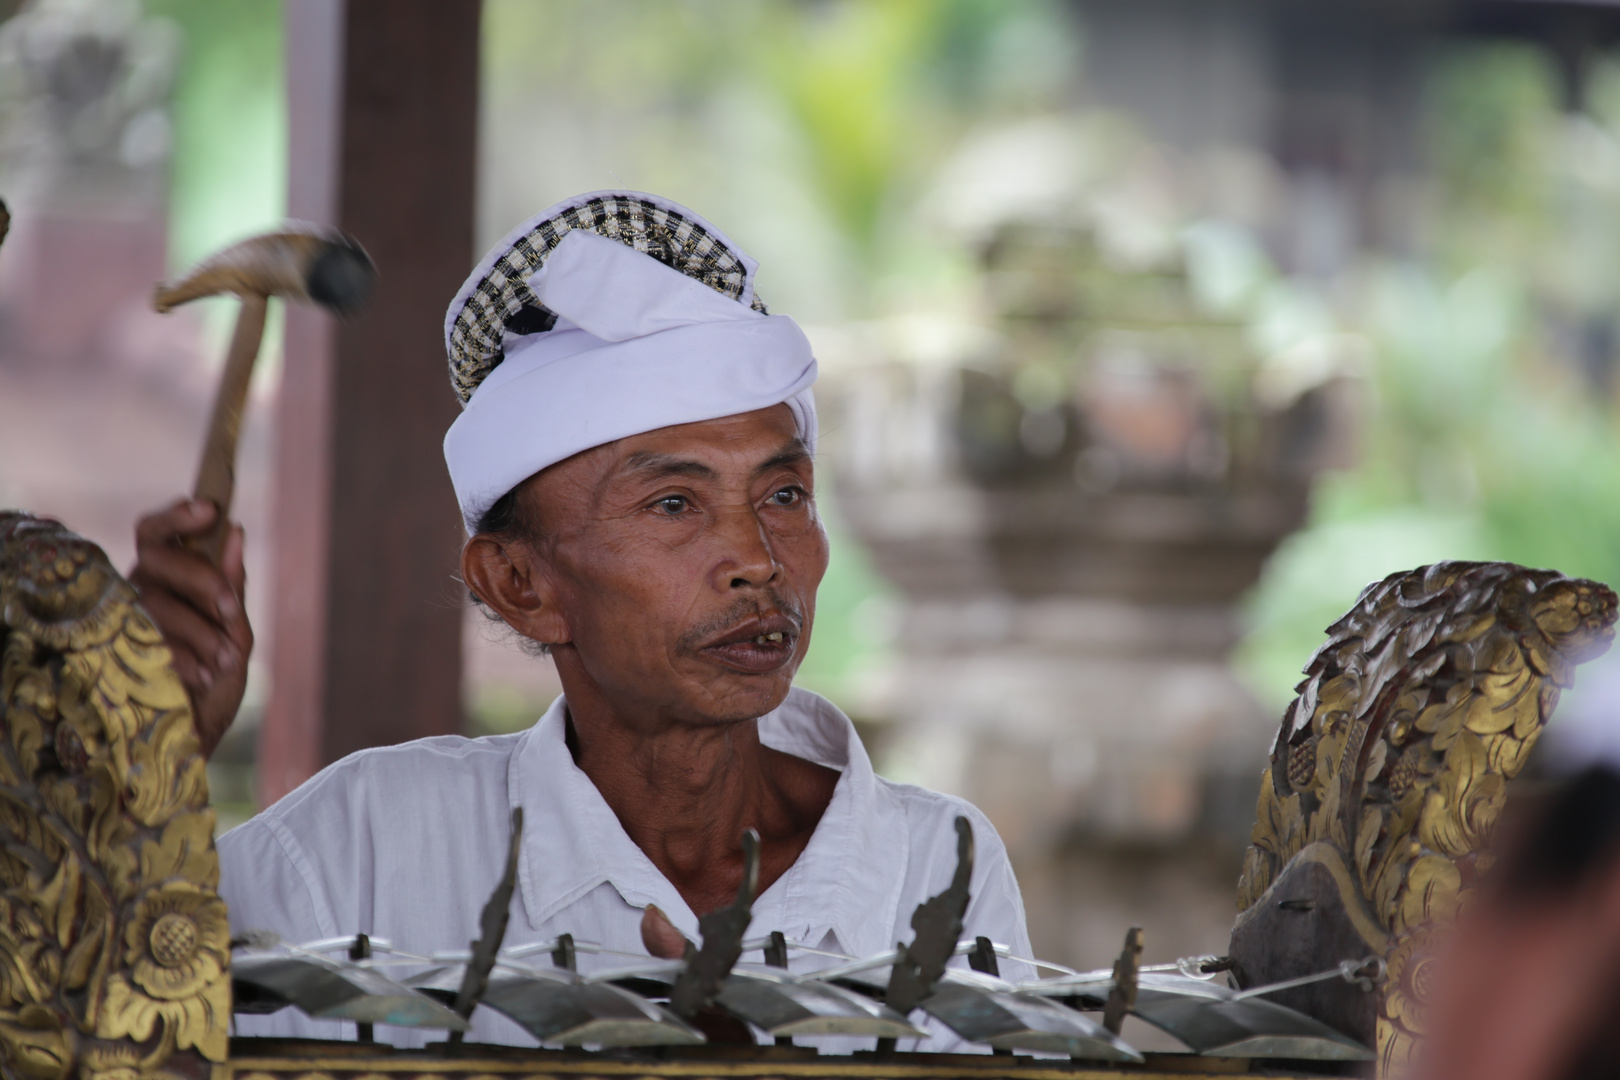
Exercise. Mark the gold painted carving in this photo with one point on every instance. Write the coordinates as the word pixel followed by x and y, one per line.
pixel 1425 700
pixel 114 945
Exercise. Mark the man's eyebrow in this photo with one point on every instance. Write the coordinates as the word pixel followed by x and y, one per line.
pixel 653 465
pixel 794 453
pixel 650 464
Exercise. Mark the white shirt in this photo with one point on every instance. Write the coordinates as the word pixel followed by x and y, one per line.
pixel 406 843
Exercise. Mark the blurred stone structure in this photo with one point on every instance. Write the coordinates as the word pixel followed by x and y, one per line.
pixel 1071 491
pixel 1070 517
pixel 84 153
pixel 1074 477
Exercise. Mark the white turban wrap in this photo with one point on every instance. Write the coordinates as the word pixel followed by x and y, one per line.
pixel 637 346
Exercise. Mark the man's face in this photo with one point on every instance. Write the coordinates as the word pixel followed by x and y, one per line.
pixel 683 566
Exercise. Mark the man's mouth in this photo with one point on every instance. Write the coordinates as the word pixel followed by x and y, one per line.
pixel 758 646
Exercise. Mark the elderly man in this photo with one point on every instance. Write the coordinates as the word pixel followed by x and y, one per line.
pixel 634 465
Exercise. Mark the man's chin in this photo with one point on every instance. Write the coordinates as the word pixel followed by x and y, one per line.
pixel 735 697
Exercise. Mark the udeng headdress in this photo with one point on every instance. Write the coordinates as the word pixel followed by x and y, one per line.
pixel 608 315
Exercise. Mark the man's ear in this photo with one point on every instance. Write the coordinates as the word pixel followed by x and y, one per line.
pixel 512 579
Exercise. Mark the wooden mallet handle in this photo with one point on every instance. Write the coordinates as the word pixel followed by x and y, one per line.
pixel 216 473
pixel 301 262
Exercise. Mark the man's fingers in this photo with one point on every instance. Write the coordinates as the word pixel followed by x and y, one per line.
pixel 659 935
pixel 161 560
pixel 199 608
pixel 193 676
pixel 211 650
pixel 184 517
pixel 189 576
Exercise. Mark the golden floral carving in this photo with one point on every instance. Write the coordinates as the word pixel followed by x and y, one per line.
pixel 37 1045
pixel 1424 702
pixel 1406 999
pixel 178 942
pixel 114 946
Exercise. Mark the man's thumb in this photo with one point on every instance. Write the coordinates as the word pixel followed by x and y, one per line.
pixel 659 935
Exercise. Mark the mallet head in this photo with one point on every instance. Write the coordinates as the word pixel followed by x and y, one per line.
pixel 301 262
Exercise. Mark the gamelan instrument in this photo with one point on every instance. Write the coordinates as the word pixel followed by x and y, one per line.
pixel 1388 771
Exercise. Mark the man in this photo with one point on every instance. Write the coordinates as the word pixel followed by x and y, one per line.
pixel 634 466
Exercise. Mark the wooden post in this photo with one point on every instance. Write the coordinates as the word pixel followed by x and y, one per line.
pixel 366 649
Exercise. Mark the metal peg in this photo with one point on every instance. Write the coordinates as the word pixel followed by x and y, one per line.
pixel 361 950
pixel 562 955
pixel 1122 998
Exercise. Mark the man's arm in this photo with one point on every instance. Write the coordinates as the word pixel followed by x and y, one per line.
pixel 199 609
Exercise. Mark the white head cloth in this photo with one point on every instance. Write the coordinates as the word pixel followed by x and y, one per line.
pixel 637 346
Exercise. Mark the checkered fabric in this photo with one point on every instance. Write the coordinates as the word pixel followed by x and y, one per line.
pixel 501 301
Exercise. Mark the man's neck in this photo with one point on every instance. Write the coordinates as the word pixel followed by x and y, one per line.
pixel 685 792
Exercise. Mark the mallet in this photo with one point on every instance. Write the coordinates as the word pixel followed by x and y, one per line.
pixel 302 262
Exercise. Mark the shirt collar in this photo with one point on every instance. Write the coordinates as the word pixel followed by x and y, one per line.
pixel 846 880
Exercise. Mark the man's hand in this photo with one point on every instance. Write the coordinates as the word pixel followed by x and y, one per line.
pixel 659 935
pixel 199 609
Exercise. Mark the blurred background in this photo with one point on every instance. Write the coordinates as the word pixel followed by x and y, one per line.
pixel 1151 331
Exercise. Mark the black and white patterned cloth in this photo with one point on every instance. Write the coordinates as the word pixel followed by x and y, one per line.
pixel 496 301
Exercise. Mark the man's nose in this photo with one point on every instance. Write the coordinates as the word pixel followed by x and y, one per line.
pixel 747 558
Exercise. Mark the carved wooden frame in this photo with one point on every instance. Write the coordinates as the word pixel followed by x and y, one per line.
pixel 1390 769
pixel 114 944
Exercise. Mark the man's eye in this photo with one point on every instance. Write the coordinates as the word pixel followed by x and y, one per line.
pixel 786 497
pixel 672 504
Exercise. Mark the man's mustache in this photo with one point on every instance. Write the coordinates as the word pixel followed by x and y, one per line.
pixel 772 603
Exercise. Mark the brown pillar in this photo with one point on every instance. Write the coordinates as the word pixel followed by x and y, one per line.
pixel 366 649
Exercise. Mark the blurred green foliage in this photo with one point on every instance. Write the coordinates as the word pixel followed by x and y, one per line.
pixel 810 130
pixel 1490 428
pixel 850 77
pixel 229 167
pixel 228 174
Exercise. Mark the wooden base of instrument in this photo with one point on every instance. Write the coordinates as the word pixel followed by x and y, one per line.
pixel 286 1059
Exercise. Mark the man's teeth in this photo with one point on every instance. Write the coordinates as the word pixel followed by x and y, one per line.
pixel 763 638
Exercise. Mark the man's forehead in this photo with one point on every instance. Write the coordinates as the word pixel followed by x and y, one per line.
pixel 754 438
pixel 753 442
